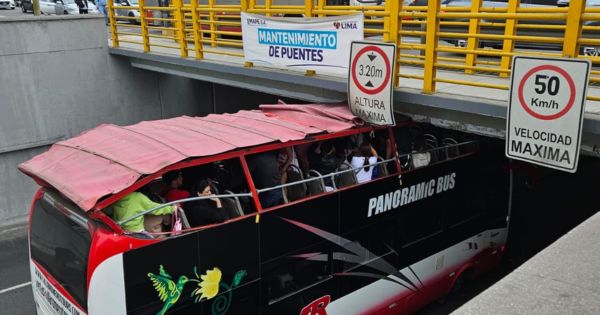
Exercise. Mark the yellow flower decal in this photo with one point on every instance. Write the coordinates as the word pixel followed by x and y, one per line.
pixel 209 286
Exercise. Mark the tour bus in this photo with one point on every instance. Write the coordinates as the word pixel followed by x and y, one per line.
pixel 432 214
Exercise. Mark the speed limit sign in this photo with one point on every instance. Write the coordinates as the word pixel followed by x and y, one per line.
pixel 545 111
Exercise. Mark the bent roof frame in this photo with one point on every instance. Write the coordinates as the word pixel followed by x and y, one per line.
pixel 109 159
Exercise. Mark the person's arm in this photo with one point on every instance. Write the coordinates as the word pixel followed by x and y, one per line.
pixel 288 160
pixel 217 202
pixel 373 152
pixel 149 204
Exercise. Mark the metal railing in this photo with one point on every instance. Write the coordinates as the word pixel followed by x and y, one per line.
pixel 180 201
pixel 476 40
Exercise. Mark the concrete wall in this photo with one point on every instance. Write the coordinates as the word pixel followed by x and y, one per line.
pixel 57 79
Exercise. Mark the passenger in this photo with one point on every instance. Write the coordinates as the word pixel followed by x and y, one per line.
pixel 285 158
pixel 133 204
pixel 382 145
pixel 326 161
pixel 366 155
pixel 265 173
pixel 174 181
pixel 205 211
pixel 302 152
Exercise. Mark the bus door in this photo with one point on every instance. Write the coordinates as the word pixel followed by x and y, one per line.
pixel 212 271
pixel 296 256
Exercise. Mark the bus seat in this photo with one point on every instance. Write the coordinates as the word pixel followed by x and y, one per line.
pixel 297 191
pixel 316 186
pixel 347 178
pixel 381 168
pixel 232 206
pixel 451 147
pixel 431 139
pixel 229 207
pixel 184 220
pixel 434 152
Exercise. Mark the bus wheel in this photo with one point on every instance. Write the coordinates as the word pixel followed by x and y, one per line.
pixel 457 287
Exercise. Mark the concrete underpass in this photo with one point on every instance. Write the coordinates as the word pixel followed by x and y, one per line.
pixel 59 76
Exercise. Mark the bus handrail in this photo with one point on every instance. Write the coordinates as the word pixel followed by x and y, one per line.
pixel 321 177
pixel 137 215
pixel 333 174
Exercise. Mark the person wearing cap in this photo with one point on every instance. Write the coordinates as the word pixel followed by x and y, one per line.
pixel 134 204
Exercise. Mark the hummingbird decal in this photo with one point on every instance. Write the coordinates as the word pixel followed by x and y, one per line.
pixel 208 286
pixel 169 292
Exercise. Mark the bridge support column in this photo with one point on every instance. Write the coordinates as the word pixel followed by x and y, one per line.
pixel 431 45
pixel 573 29
pixel 473 42
pixel 198 49
pixel 392 25
pixel 508 45
pixel 144 25
pixel 180 28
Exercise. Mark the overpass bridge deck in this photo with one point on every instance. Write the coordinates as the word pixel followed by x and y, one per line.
pixel 474 109
pixel 454 62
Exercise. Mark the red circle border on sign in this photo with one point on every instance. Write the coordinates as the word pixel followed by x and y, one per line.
pixel 387 70
pixel 564 75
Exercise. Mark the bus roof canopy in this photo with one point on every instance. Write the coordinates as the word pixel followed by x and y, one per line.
pixel 110 158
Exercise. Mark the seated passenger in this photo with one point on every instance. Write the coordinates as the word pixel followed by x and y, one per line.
pixel 366 155
pixel 285 158
pixel 205 211
pixel 325 160
pixel 174 180
pixel 265 173
pixel 135 203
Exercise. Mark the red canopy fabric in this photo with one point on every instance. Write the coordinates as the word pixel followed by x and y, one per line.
pixel 110 158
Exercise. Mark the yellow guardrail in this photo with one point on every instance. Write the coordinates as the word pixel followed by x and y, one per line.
pixel 475 40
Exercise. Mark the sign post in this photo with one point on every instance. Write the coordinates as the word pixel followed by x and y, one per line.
pixel 370 82
pixel 545 111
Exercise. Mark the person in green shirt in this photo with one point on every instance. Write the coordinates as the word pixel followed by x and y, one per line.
pixel 132 204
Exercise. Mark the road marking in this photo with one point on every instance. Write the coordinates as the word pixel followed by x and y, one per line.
pixel 18 286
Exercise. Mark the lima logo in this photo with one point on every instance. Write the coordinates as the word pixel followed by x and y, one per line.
pixel 255 21
pixel 345 25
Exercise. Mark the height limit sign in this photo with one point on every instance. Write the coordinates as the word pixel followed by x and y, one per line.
pixel 545 111
pixel 370 82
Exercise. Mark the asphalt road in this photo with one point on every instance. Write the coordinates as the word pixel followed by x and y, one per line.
pixel 16 297
pixel 15 12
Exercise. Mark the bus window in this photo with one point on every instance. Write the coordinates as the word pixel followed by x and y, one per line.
pixel 60 243
pixel 421 222
pixel 266 175
pixel 218 182
pixel 203 194
pixel 310 169
pixel 297 280
pixel 473 205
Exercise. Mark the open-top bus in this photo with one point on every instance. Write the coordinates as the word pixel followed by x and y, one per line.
pixel 430 216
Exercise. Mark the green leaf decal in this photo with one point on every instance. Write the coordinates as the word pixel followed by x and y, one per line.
pixel 237 278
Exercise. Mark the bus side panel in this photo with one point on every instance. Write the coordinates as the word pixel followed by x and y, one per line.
pixel 400 222
pixel 212 271
pixel 233 248
pixel 296 255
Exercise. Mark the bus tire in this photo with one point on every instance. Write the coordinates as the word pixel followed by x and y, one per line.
pixel 457 286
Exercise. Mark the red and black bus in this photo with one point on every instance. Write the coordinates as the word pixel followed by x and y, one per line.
pixel 432 213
